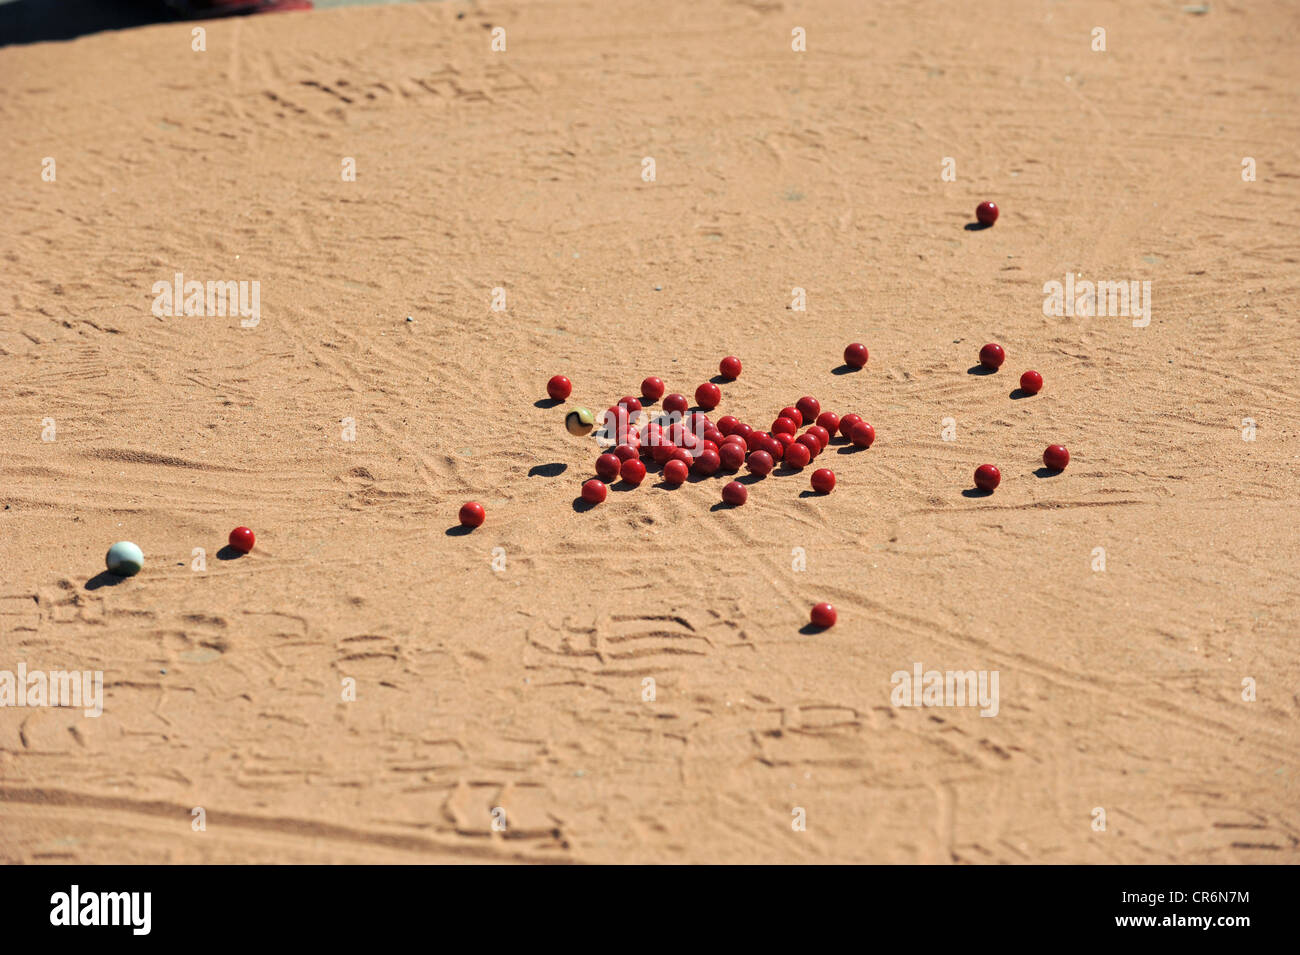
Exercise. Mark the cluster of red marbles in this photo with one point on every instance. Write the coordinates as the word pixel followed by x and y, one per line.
pixel 682 441
pixel 1056 457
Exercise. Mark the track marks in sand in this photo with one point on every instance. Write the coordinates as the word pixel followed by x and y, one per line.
pixel 19 613
pixel 841 740
pixel 337 97
pixel 445 840
pixel 614 648
pixel 1112 693
pixel 150 458
pixel 367 646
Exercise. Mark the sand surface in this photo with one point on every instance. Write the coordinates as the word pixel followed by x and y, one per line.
pixel 521 688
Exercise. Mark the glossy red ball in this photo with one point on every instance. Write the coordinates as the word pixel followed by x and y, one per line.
pixel 856 355
pixel 863 435
pixel 630 403
pixel 797 455
pixel 784 425
pixel 823 435
pixel 559 387
pixel 1056 457
pixel 706 463
pixel 593 491
pixel 793 413
pixel 1032 382
pixel 471 514
pixel 731 455
pixel 743 430
pixel 760 463
pixel 992 356
pixel 727 423
pixel 652 389
pixel 607 466
pixel 675 472
pixel 241 539
pixel 773 447
pixel 675 403
pixel 730 367
pixel 735 494
pixel 823 480
pixel 987 477
pixel 823 615
pixel 632 471
pixel 810 442
pixel 987 213
pixel 830 421
pixel 847 423
pixel 708 395
pixel 809 407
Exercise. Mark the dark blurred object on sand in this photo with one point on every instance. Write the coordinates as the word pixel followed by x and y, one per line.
pixel 221 8
pixel 39 21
